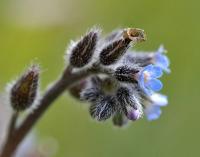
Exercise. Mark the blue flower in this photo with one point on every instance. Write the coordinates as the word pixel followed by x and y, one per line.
pixel 152 110
pixel 148 79
pixel 161 60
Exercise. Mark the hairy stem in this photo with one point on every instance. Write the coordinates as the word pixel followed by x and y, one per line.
pixel 12 124
pixel 66 80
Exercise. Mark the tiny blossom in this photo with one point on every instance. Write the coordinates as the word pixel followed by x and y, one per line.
pixel 161 60
pixel 152 110
pixel 148 79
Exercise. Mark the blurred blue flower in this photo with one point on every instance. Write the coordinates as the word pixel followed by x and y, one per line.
pixel 152 110
pixel 161 60
pixel 147 79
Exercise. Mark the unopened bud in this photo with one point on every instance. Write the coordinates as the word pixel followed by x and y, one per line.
pixel 113 51
pixel 82 51
pixel 129 103
pixel 24 91
pixel 140 59
pixel 119 120
pixel 92 90
pixel 103 108
pixel 116 49
pixel 126 74
pixel 133 114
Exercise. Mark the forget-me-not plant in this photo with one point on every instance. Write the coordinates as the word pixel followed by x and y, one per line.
pixel 116 82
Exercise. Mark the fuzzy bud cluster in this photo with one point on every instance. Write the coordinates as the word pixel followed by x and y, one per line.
pixel 128 88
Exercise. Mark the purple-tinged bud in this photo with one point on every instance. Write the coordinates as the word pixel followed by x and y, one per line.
pixel 116 49
pixel 129 101
pixel 119 120
pixel 24 91
pixel 103 108
pixel 126 74
pixel 81 52
pixel 133 114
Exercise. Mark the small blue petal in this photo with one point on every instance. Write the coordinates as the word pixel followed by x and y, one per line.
pixel 141 81
pixel 159 99
pixel 161 49
pixel 156 72
pixel 148 68
pixel 161 59
pixel 146 90
pixel 142 86
pixel 153 112
pixel 154 84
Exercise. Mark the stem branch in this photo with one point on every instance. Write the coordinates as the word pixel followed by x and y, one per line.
pixel 67 79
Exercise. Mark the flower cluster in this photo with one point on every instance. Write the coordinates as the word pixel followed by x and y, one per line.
pixel 124 83
pixel 117 82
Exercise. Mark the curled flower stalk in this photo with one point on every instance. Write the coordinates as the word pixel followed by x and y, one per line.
pixel 116 83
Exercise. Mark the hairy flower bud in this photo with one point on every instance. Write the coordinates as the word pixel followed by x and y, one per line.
pixel 126 74
pixel 91 94
pixel 103 108
pixel 113 51
pixel 133 114
pixel 82 51
pixel 129 103
pixel 24 91
pixel 119 120
pixel 138 58
pixel 92 90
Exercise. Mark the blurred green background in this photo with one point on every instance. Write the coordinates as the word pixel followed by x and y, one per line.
pixel 40 30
